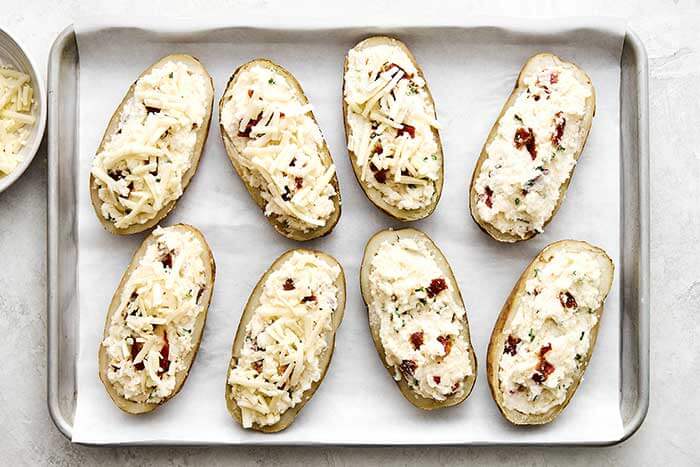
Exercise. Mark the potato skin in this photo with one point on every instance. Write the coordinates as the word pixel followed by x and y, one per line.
pixel 520 86
pixel 371 248
pixel 253 301
pixel 137 408
pixel 112 127
pixel 232 150
pixel 372 194
pixel 497 340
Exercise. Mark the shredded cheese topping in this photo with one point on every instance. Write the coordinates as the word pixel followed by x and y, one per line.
pixel 549 335
pixel 421 321
pixel 280 148
pixel 392 126
pixel 533 152
pixel 16 119
pixel 150 332
pixel 285 339
pixel 141 168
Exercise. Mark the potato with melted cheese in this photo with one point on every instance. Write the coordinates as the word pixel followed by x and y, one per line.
pixel 545 334
pixel 276 147
pixel 526 164
pixel 391 129
pixel 152 145
pixel 417 318
pixel 285 340
pixel 156 319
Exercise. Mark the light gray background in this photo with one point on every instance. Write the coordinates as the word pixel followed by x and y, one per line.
pixel 671 32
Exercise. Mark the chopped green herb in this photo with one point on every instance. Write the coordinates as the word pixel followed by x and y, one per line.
pixel 517 201
pixel 577 357
pixel 271 81
pixel 531 335
pixel 434 157
pixel 582 333
pixel 517 117
pixel 537 271
pixel 170 75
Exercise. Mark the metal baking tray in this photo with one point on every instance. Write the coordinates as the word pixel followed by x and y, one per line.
pixel 63 312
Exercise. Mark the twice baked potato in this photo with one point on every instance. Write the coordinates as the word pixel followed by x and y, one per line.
pixel 391 129
pixel 156 319
pixel 526 164
pixel 277 149
pixel 545 334
pixel 285 340
pixel 152 145
pixel 417 318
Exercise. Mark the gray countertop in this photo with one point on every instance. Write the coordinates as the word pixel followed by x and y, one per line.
pixel 670 32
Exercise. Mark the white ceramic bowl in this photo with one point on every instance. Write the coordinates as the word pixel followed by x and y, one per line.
pixel 12 54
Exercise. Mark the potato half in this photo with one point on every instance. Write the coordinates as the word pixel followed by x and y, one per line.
pixel 234 145
pixel 137 408
pixel 202 133
pixel 498 340
pixel 371 250
pixel 325 359
pixel 533 63
pixel 372 193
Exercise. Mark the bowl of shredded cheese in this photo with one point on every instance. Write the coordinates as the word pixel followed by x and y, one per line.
pixel 22 111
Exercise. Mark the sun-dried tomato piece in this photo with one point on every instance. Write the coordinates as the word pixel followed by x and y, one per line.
pixel 249 126
pixel 446 342
pixel 511 346
pixel 544 368
pixel 135 349
pixel 309 298
pixel 436 379
pixel 408 367
pixel 298 182
pixel 152 110
pixel 417 339
pixel 257 366
pixel 436 286
pixel 380 175
pixel 411 130
pixel 167 260
pixel 250 93
pixel 559 125
pixel 567 300
pixel 378 149
pixel 488 197
pixel 554 78
pixel 288 284
pixel 526 137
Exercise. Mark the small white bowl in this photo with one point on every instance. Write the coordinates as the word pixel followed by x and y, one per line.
pixel 12 54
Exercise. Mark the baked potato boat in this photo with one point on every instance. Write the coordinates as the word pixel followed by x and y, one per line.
pixel 417 318
pixel 285 340
pixel 276 147
pixel 526 164
pixel 152 145
pixel 545 334
pixel 391 129
pixel 156 319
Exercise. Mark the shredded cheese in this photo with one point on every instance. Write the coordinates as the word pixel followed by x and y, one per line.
pixel 280 148
pixel 421 322
pixel 141 167
pixel 392 123
pixel 550 333
pixel 285 339
pixel 533 152
pixel 16 119
pixel 150 332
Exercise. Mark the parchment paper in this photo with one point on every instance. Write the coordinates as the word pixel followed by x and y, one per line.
pixel 471 66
